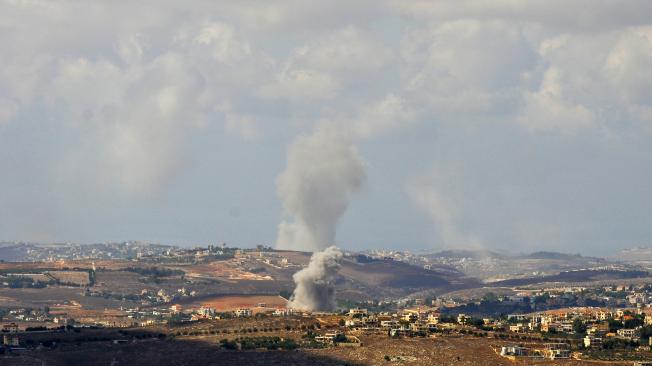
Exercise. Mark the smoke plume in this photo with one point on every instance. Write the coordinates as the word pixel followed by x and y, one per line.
pixel 323 171
pixel 315 289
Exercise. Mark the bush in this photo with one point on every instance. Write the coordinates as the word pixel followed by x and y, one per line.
pixel 226 344
pixel 34 329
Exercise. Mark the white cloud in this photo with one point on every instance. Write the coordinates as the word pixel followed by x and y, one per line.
pixel 300 84
pixel 84 85
pixel 225 46
pixel 130 91
pixel 466 66
pixel 628 63
pixel 321 69
pixel 347 53
pixel 134 120
pixel 8 109
pixel 389 114
pixel 548 110
pixel 556 15
pixel 130 49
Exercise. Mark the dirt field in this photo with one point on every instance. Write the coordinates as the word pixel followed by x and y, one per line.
pixel 122 281
pixel 79 278
pixel 53 296
pixel 227 303
pixel 229 269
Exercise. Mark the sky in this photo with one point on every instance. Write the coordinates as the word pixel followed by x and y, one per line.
pixel 504 125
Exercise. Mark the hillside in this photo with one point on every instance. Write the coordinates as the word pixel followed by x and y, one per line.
pixel 387 277
pixel 10 252
pixel 364 278
pixel 266 271
pixel 575 277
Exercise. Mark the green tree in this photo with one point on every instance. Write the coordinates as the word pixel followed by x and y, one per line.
pixel 633 323
pixel 578 326
pixel 614 324
pixel 340 338
pixel 646 332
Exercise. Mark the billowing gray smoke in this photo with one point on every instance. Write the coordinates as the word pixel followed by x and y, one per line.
pixel 315 289
pixel 324 170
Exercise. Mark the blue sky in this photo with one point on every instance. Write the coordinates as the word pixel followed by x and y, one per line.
pixel 507 125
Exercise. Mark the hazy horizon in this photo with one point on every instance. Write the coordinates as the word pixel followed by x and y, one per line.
pixel 349 249
pixel 515 127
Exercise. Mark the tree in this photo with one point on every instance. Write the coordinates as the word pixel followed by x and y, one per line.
pixel 578 326
pixel 633 323
pixel 340 338
pixel 489 297
pixel 288 344
pixel 614 324
pixel 447 319
pixel 477 322
pixel 646 332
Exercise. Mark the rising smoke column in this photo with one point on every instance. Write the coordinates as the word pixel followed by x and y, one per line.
pixel 315 289
pixel 323 171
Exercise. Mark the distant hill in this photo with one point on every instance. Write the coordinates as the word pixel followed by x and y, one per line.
pixel 480 254
pixel 465 253
pixel 12 252
pixel 552 255
pixel 638 254
pixel 362 277
pixel 575 276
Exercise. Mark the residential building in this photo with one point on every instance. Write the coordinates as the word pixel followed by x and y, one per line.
pixel 243 313
pixel 628 333
pixel 592 342
pixel 10 328
pixel 9 340
pixel 513 351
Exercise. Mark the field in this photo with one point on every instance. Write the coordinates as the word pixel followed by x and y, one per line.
pixel 227 303
pixel 78 278
pixel 204 351
pixel 54 296
pixel 229 269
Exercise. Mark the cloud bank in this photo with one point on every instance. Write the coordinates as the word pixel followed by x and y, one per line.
pixel 506 124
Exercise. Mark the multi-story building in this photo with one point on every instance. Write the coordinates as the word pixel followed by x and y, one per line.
pixel 242 313
pixel 629 333
pixel 433 318
pixel 591 341
pixel 10 340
